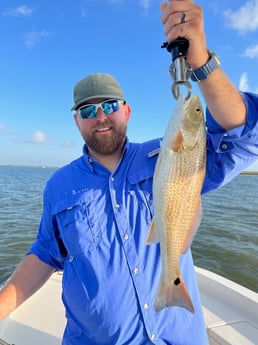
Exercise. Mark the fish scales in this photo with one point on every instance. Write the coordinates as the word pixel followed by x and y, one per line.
pixel 177 185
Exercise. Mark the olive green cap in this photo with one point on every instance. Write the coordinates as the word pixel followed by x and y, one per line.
pixel 98 85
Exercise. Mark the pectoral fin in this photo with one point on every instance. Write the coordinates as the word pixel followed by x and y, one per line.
pixel 153 236
pixel 177 141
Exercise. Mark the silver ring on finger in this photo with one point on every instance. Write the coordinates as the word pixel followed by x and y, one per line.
pixel 182 18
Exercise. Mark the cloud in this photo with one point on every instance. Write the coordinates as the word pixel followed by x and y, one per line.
pixel 68 144
pixel 244 84
pixel 245 18
pixel 145 4
pixel 84 13
pixel 32 38
pixel 214 7
pixel 38 137
pixel 251 52
pixel 19 11
pixel 3 128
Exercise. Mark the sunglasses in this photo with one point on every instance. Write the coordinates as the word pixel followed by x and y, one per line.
pixel 89 111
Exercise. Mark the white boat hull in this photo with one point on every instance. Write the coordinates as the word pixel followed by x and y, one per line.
pixel 230 311
pixel 40 320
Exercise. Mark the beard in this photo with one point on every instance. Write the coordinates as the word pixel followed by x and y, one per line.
pixel 108 143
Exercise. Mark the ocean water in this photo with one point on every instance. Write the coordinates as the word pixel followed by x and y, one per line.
pixel 226 243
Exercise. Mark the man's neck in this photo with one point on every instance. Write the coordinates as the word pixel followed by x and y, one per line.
pixel 109 161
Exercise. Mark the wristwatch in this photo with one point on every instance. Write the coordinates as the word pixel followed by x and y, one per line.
pixel 203 72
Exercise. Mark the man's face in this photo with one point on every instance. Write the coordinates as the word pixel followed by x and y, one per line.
pixel 104 134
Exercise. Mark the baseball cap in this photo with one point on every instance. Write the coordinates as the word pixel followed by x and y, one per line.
pixel 98 85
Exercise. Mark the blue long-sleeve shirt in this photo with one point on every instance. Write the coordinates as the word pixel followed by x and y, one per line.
pixel 94 228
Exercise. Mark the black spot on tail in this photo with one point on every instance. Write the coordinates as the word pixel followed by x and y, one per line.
pixel 177 281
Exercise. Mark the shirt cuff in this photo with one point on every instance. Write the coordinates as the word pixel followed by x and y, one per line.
pixel 221 140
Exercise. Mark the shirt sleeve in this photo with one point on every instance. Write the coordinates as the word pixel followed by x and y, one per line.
pixel 48 246
pixel 230 152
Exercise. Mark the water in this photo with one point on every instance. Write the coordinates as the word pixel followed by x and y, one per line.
pixel 226 243
pixel 20 211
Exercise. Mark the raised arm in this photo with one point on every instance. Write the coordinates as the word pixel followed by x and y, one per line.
pixel 30 275
pixel 222 98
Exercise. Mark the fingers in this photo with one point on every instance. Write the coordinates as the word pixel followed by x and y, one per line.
pixel 162 6
pixel 183 18
pixel 173 5
pixel 172 13
pixel 185 21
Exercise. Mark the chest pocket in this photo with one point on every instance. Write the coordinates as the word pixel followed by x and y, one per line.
pixel 78 222
pixel 141 182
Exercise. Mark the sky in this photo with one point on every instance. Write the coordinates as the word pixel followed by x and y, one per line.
pixel 47 46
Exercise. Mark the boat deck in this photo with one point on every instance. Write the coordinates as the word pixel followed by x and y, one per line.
pixel 40 320
pixel 230 311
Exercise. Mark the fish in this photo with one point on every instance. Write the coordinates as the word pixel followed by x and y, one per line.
pixel 177 184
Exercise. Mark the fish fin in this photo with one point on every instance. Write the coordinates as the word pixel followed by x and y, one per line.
pixel 158 163
pixel 177 141
pixel 194 228
pixel 173 294
pixel 153 236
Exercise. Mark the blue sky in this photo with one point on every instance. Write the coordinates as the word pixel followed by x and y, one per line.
pixel 47 46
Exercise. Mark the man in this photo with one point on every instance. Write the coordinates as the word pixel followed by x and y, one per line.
pixel 97 210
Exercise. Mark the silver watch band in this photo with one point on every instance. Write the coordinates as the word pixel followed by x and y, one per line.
pixel 204 71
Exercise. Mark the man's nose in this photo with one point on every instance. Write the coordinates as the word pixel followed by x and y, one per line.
pixel 100 113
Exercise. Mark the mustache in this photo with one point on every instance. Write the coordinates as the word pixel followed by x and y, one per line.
pixel 101 125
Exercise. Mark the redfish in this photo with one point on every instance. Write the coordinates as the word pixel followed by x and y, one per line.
pixel 177 184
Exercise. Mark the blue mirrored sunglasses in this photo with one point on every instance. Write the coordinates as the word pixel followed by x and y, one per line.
pixel 89 111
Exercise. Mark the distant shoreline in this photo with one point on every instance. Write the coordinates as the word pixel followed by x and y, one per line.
pixel 29 166
pixel 249 172
pixel 245 172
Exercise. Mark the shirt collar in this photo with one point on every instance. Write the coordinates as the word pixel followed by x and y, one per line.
pixel 90 160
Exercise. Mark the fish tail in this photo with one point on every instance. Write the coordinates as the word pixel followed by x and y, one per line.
pixel 173 294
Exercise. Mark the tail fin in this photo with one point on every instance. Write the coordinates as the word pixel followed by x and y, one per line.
pixel 173 294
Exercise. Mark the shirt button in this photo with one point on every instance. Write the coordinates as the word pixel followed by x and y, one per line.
pixel 224 146
pixel 126 236
pixel 112 179
pixel 146 306
pixel 136 270
pixel 117 206
pixel 153 336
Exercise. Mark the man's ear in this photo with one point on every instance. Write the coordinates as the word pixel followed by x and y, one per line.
pixel 127 111
pixel 76 119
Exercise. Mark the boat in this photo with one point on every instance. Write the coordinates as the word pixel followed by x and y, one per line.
pixel 230 312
